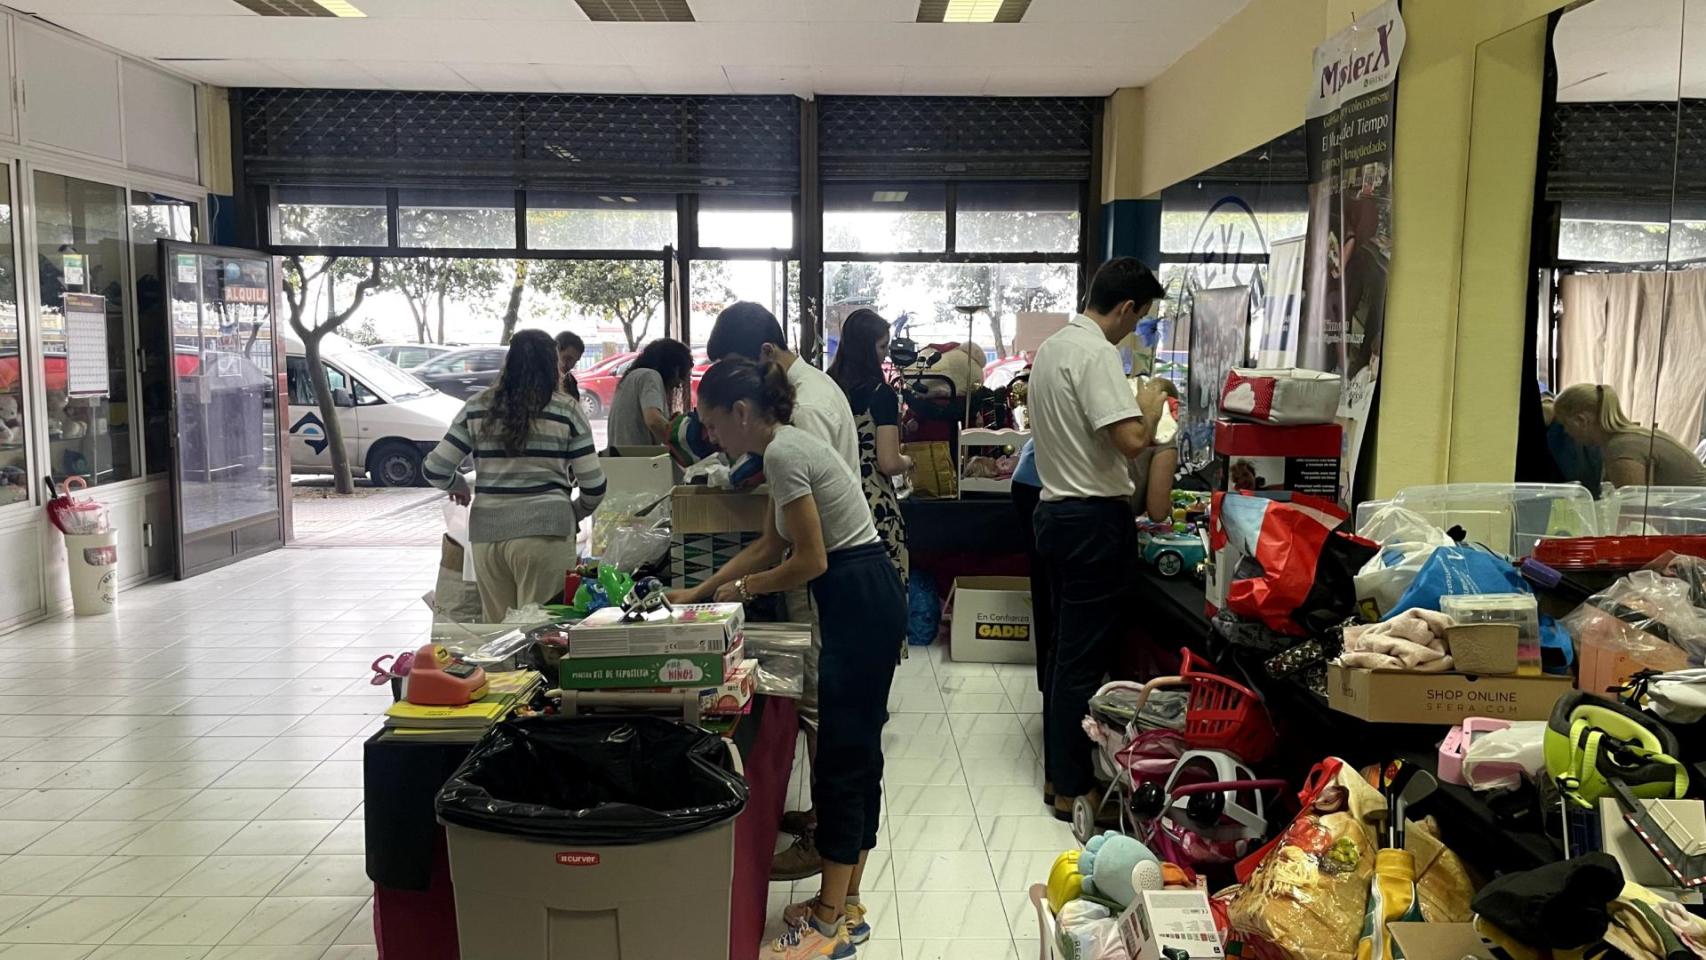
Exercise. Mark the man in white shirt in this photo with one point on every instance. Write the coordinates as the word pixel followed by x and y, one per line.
pixel 1087 426
pixel 748 330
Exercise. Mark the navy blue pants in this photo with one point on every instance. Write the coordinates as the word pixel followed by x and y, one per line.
pixel 1090 549
pixel 862 610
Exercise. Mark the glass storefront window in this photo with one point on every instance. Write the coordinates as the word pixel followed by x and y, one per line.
pixel 330 216
pixel 1017 218
pixel 81 258
pixel 885 217
pixel 475 219
pixel 602 221
pixel 715 284
pixel 14 478
pixel 155 217
pixel 746 222
pixel 1222 219
pixel 918 299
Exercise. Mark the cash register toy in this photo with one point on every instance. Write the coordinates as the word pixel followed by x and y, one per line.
pixel 437 679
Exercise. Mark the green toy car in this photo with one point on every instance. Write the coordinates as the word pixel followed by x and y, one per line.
pixel 1172 554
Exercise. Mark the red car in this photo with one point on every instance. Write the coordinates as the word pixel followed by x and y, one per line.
pixel 598 383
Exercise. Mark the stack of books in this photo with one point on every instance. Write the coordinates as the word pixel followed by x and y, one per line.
pixel 470 721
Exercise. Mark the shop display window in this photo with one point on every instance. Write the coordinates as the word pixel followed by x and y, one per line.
pixel 885 217
pixel 600 221
pixel 741 222
pixel 155 217
pixel 471 219
pixel 14 471
pixel 1017 218
pixel 330 216
pixel 81 258
pixel 715 284
pixel 919 298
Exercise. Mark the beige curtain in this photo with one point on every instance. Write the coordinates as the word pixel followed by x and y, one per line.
pixel 1615 330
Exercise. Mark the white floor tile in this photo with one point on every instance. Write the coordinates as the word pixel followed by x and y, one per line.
pixel 944 916
pixel 132 876
pixel 279 837
pixel 243 876
pixel 327 875
pixel 942 871
pixel 91 920
pixel 168 837
pixel 296 921
pixel 186 920
pixel 130 951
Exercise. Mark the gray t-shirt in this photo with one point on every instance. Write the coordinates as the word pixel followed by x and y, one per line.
pixel 1665 462
pixel 640 390
pixel 797 463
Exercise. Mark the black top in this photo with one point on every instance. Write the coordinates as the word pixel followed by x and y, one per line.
pixel 570 386
pixel 880 400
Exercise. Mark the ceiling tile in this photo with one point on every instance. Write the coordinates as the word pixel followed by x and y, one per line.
pixel 856 80
pixel 54 9
pixel 683 78
pixel 944 81
pixel 759 79
pixel 416 75
pixel 508 77
pixel 532 10
pixel 327 73
pixel 804 11
pixel 232 73
pixel 1051 81
pixel 587 78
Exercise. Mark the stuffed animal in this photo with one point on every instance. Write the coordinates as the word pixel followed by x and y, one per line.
pixel 11 422
pixel 960 364
pixel 1116 866
pixel 1065 882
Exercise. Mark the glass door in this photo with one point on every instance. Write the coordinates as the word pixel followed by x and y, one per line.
pixel 227 484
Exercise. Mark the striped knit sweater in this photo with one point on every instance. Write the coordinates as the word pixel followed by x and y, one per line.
pixel 529 495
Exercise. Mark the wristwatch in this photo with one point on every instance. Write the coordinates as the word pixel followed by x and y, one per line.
pixel 740 588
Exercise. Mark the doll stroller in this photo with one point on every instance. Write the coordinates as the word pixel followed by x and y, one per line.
pixel 1219 715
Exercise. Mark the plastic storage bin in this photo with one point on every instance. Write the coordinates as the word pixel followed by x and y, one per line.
pixel 570 837
pixel 1508 517
pixel 1519 609
pixel 1652 511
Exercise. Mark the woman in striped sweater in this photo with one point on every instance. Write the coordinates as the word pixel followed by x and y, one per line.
pixel 532 448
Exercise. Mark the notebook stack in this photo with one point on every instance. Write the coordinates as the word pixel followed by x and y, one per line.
pixel 470 721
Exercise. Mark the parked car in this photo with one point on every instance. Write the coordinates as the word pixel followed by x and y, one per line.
pixel 408 355
pixel 999 373
pixel 463 372
pixel 390 419
pixel 598 383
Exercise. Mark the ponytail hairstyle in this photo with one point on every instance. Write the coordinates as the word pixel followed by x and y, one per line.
pixel 522 391
pixel 1599 401
pixel 762 385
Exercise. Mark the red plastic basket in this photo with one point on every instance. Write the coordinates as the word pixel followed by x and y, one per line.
pixel 1224 715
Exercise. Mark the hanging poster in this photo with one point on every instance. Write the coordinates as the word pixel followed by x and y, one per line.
pixel 1282 308
pixel 85 345
pixel 1349 129
pixel 1220 333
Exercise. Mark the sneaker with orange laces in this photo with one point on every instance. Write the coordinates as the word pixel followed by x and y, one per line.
pixel 858 930
pixel 805 937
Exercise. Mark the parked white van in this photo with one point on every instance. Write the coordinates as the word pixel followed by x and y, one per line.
pixel 390 419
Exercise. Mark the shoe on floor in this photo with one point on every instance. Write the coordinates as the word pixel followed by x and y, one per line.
pixel 1048 794
pixel 858 931
pixel 797 822
pixel 806 940
pixel 798 861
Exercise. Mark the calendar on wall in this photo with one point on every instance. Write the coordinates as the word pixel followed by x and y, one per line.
pixel 85 344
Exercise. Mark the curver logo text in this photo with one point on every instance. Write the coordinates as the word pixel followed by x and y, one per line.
pixel 577 859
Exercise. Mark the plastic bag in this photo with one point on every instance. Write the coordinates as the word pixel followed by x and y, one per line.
pixel 1458 568
pixel 633 547
pixel 620 512
pixel 594 781
pixel 1643 621
pixel 780 649
pixel 1502 758
pixel 1406 541
pixel 1295 572
pixel 1678 697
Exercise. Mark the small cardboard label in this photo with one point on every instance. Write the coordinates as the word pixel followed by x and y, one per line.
pixel 577 859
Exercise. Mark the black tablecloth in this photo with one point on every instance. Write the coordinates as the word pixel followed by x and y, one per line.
pixel 980 525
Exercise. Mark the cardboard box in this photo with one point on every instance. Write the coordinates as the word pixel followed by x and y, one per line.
pixel 1438 941
pixel 1393 696
pixel 1162 921
pixel 992 620
pixel 695 509
pixel 1263 456
pixel 689 628
pixel 639 471
pixel 672 671
pixel 732 696
pixel 695 556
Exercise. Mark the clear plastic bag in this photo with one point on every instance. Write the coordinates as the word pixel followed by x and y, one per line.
pixel 622 512
pixel 1502 758
pixel 1646 616
pixel 632 547
pixel 780 649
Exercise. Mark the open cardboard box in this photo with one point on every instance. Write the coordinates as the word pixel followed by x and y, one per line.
pixel 1395 696
pixel 1439 941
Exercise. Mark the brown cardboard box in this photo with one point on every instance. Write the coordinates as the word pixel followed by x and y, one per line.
pixel 1438 941
pixel 1392 696
pixel 697 509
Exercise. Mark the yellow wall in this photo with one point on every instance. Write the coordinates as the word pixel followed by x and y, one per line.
pixel 1122 146
pixel 1453 343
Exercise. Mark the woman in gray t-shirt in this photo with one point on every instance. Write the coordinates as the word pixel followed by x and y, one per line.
pixel 640 408
pixel 820 519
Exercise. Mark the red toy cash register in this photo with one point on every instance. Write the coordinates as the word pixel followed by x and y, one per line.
pixel 438 680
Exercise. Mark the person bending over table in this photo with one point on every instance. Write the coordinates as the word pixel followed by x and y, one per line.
pixel 642 404
pixel 1634 455
pixel 820 519
pixel 1088 426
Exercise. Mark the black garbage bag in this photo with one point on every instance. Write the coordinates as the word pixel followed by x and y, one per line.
pixel 594 781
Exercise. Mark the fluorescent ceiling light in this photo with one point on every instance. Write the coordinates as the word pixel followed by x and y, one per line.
pixel 606 199
pixel 972 11
pixel 340 8
pixel 959 11
pixel 889 196
pixel 628 199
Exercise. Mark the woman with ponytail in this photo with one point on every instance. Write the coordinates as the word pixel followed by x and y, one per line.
pixel 1634 455
pixel 819 519
pixel 531 448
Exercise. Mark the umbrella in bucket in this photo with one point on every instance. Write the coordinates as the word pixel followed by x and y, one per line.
pixel 70 515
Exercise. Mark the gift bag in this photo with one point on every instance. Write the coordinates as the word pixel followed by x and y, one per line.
pixel 1296 570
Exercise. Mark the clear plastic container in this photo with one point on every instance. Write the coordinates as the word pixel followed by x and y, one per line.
pixel 1517 608
pixel 1652 511
pixel 1507 517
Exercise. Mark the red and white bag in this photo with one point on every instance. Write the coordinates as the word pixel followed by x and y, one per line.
pixel 1288 396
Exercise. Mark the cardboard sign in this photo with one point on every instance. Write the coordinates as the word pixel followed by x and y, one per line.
pixel 1391 696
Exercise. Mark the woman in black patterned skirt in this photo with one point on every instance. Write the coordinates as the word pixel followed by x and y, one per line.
pixel 858 368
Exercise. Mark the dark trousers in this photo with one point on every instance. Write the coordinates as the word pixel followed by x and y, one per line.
pixel 1090 549
pixel 1025 499
pixel 861 610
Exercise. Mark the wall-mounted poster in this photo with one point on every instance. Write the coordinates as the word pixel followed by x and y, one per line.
pixel 1349 130
pixel 1220 334
pixel 86 345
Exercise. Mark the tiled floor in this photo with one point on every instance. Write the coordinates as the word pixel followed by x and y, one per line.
pixel 182 781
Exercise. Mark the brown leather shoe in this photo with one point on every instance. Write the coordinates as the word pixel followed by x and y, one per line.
pixel 798 861
pixel 797 822
pixel 1048 794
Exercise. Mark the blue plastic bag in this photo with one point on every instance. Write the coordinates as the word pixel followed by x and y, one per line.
pixel 923 609
pixel 1456 569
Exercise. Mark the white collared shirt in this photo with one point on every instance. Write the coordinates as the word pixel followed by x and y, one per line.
pixel 1078 388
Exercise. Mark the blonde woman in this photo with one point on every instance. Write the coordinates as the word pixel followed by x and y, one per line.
pixel 1634 455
